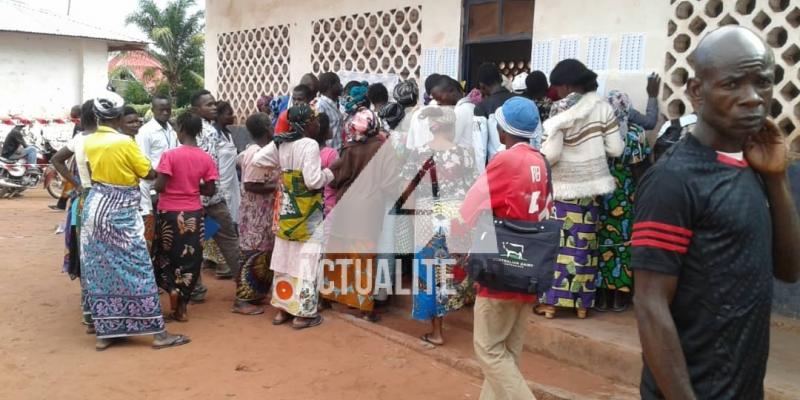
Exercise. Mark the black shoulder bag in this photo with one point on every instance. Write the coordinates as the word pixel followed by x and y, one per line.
pixel 518 256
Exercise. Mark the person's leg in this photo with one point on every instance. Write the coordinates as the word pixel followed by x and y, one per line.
pixel 30 155
pixel 227 237
pixel 495 321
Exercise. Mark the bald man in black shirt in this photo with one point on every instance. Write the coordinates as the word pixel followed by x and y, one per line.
pixel 715 221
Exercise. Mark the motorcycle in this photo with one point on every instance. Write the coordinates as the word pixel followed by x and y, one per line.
pixel 53 182
pixel 16 177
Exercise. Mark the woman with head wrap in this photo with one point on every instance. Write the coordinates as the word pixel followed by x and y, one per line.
pixel 298 242
pixel 616 211
pixel 581 133
pixel 120 285
pixel 406 94
pixel 443 287
pixel 357 193
pixel 356 98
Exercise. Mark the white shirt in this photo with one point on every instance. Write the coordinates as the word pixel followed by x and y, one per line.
pixel 76 146
pixel 153 139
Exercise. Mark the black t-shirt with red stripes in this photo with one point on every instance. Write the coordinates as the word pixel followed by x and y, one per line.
pixel 703 217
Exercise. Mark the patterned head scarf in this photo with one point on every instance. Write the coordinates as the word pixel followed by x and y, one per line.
pixel 299 116
pixel 621 103
pixel 406 93
pixel 363 125
pixel 475 96
pixel 392 113
pixel 356 98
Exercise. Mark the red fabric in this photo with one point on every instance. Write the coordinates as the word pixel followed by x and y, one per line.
pixel 283 123
pixel 728 160
pixel 662 227
pixel 664 237
pixel 508 187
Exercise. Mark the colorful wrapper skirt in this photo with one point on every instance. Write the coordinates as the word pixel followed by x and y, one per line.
pixel 296 296
pixel 576 265
pixel 179 251
pixel 255 277
pixel 614 232
pixel 352 284
pixel 120 284
pixel 437 294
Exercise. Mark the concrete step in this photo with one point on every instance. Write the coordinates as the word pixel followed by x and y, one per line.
pixel 606 346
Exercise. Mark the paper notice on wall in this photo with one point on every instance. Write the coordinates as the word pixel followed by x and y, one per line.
pixel 598 52
pixel 631 52
pixel 569 47
pixel 442 61
pixel 449 62
pixel 542 56
pixel 428 66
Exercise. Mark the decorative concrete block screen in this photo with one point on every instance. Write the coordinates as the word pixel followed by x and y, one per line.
pixel 377 42
pixel 251 63
pixel 778 21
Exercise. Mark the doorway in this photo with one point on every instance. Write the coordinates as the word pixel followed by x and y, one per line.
pixel 497 31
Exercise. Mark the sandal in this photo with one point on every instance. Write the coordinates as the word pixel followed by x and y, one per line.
pixel 547 310
pixel 172 318
pixel 427 339
pixel 102 344
pixel 309 323
pixel 371 317
pixel 90 330
pixel 246 309
pixel 281 318
pixel 175 340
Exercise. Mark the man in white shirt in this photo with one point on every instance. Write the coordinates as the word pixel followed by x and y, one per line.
pixel 154 138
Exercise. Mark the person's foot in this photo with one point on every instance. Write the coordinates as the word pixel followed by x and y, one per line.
pixel 245 308
pixel 432 339
pixel 582 312
pixel 55 207
pixel 281 318
pixel 102 344
pixel 90 329
pixel 164 340
pixel 224 274
pixel 601 300
pixel 370 317
pixel 198 294
pixel 621 301
pixel 547 310
pixel 303 323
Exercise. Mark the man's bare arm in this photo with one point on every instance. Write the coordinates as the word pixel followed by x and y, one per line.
pixel 659 336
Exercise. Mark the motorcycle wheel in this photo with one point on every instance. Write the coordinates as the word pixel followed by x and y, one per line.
pixel 54 183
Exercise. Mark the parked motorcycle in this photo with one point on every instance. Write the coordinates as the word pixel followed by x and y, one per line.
pixel 16 177
pixel 53 182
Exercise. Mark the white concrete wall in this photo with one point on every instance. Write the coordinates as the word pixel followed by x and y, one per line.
pixel 556 18
pixel 44 76
pixel 441 24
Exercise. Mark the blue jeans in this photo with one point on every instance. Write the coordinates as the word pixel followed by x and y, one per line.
pixel 29 153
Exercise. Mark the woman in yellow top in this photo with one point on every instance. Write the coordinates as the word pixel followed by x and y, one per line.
pixel 121 287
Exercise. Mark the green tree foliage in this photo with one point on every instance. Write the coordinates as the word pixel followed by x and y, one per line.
pixel 177 43
pixel 135 93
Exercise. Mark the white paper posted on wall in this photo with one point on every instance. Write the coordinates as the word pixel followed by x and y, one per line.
pixel 631 52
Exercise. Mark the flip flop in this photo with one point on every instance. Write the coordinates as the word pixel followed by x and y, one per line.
pixel 177 340
pixel 280 321
pixel 310 324
pixel 374 318
pixel 427 339
pixel 254 311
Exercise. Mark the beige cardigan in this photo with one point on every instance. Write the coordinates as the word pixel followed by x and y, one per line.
pixel 577 143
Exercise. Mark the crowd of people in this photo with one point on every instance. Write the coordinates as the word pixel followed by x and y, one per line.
pixel 331 166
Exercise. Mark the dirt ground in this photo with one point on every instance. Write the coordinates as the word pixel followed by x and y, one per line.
pixel 45 353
